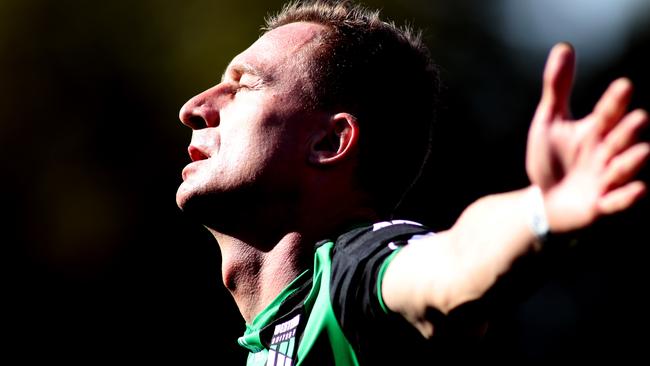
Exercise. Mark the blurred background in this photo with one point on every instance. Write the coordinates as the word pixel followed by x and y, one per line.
pixel 101 266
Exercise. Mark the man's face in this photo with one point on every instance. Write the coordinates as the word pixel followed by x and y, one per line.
pixel 250 132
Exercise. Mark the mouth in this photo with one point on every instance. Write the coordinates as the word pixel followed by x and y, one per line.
pixel 196 155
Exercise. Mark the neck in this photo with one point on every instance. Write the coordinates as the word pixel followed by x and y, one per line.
pixel 255 275
pixel 259 262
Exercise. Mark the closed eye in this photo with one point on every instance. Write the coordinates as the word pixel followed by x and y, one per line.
pixel 248 86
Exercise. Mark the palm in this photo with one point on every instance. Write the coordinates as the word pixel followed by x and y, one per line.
pixel 584 167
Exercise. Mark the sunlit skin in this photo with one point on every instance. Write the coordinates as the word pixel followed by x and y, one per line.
pixel 259 177
pixel 248 127
pixel 585 169
pixel 270 177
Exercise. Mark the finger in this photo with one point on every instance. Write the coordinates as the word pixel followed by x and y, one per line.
pixel 621 198
pixel 626 165
pixel 558 80
pixel 623 134
pixel 612 105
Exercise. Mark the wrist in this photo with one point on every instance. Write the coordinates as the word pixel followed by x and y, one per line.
pixel 536 214
pixel 539 223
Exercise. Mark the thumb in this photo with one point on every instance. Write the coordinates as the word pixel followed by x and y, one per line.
pixel 558 81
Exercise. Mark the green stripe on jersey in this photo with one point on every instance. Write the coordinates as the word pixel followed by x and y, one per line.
pixel 322 327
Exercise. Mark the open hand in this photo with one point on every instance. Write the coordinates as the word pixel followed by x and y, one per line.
pixel 584 167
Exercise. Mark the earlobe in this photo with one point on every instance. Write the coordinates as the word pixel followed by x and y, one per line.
pixel 337 140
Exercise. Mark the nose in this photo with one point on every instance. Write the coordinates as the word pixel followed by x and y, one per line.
pixel 202 110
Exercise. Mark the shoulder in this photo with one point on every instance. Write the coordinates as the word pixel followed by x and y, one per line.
pixel 358 257
pixel 365 240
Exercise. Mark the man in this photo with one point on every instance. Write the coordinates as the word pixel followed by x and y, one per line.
pixel 287 152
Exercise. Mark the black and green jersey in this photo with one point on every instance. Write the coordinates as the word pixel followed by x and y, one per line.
pixel 334 313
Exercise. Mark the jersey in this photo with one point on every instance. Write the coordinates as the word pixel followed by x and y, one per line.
pixel 334 313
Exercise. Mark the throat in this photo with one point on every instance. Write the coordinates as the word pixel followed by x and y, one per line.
pixel 255 278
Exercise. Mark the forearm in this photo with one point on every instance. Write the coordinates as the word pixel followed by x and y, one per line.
pixel 585 169
pixel 490 236
pixel 463 264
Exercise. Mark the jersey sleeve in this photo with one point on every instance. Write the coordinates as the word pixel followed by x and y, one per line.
pixel 358 261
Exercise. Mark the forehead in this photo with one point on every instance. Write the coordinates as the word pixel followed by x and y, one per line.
pixel 278 49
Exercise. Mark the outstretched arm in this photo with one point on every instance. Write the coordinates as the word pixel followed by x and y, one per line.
pixel 580 170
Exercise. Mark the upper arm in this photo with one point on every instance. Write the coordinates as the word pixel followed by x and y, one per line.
pixel 416 281
pixel 447 277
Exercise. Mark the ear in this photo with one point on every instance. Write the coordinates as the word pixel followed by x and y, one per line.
pixel 336 141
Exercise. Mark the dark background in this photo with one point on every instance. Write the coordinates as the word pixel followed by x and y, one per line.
pixel 100 265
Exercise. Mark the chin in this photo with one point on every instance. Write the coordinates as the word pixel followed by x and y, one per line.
pixel 181 197
pixel 215 207
pixel 184 196
pixel 196 204
pixel 191 205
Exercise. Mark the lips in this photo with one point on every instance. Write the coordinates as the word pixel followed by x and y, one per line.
pixel 189 168
pixel 197 154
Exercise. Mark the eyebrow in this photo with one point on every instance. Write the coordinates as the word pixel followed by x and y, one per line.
pixel 245 68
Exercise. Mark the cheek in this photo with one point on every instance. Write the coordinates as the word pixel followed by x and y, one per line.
pixel 261 139
pixel 243 155
pixel 270 158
